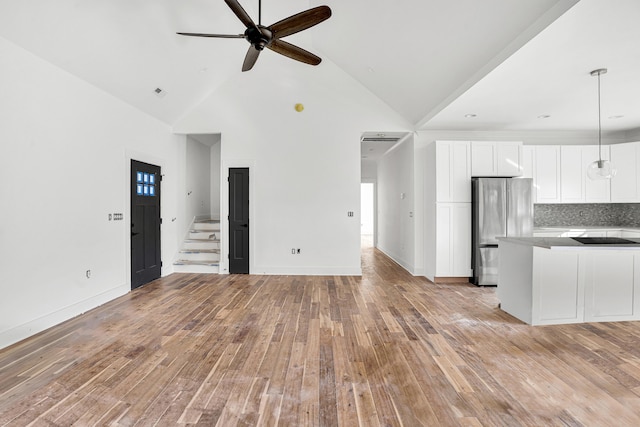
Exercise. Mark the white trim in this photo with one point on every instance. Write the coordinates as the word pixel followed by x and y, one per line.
pixel 32 327
pixel 308 271
pixel 402 263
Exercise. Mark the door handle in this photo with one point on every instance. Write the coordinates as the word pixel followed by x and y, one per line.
pixel 244 225
pixel 134 234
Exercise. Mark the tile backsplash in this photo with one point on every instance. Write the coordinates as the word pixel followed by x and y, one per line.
pixel 587 214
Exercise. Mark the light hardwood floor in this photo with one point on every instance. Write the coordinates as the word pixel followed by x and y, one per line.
pixel 384 349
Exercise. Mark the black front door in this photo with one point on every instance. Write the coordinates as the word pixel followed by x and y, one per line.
pixel 239 220
pixel 145 223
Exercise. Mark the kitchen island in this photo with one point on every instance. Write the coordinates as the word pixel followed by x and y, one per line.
pixel 554 280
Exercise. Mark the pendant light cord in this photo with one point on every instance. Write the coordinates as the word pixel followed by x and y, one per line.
pixel 599 124
pixel 260 17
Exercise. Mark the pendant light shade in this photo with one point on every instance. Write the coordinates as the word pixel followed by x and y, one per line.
pixel 600 169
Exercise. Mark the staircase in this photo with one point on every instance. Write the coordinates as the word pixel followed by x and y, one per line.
pixel 200 252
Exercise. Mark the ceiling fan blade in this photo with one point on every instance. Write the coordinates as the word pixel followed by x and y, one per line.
pixel 240 13
pixel 300 21
pixel 250 59
pixel 222 36
pixel 294 52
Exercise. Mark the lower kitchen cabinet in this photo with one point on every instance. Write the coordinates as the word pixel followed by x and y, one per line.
pixel 546 286
pixel 453 240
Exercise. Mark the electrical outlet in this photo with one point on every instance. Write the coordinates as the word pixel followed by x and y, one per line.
pixel 298 251
pixel 293 251
pixel 88 273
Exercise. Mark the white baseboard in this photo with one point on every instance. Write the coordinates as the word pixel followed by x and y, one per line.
pixel 402 263
pixel 20 332
pixel 308 271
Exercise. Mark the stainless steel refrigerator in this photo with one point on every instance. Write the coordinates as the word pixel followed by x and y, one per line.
pixel 501 207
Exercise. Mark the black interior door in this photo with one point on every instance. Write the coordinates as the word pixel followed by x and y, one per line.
pixel 146 264
pixel 239 220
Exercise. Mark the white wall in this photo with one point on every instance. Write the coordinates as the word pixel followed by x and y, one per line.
pixel 65 150
pixel 215 179
pixel 304 167
pixel 198 179
pixel 396 213
pixel 368 170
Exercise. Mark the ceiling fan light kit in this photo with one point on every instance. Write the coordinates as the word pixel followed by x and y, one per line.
pixel 260 36
pixel 600 169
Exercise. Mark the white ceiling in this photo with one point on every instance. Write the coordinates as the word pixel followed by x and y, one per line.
pixel 430 60
pixel 550 76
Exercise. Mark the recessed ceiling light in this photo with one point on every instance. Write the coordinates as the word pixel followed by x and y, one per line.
pixel 616 117
pixel 544 116
pixel 470 116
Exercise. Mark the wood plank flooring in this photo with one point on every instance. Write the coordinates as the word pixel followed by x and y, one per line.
pixel 384 349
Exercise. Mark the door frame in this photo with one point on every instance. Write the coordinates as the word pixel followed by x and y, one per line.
pixel 224 212
pixel 375 206
pixel 126 231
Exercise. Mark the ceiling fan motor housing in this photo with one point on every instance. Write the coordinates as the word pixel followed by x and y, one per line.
pixel 259 36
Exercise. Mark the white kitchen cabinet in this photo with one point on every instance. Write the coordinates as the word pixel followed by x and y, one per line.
pixel 630 234
pixel 545 286
pixel 575 186
pixel 625 185
pixel 547 174
pixel 453 171
pixel 528 161
pixel 610 288
pixel 453 240
pixel 572 180
pixel 490 158
pixel 558 295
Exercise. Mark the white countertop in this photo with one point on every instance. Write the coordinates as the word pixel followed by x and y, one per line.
pixel 568 243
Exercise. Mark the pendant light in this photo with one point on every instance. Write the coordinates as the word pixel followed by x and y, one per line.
pixel 600 169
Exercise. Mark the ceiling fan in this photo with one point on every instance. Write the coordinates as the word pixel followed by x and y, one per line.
pixel 260 36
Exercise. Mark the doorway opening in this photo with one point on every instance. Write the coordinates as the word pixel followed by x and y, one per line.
pixel 367 215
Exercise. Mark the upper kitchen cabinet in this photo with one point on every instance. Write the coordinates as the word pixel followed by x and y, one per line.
pixel 453 171
pixel 625 185
pixel 496 158
pixel 576 187
pixel 547 174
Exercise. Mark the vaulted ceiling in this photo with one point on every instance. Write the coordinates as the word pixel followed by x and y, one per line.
pixel 431 61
